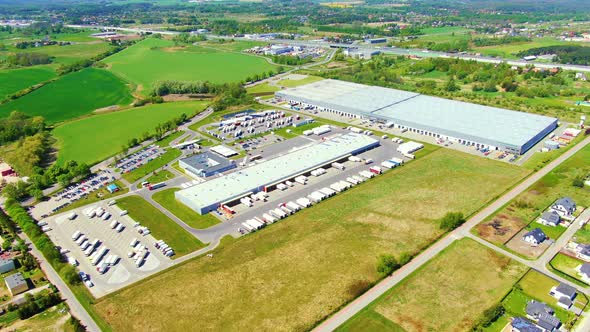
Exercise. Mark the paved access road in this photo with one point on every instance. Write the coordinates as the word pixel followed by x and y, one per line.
pixel 357 305
pixel 76 307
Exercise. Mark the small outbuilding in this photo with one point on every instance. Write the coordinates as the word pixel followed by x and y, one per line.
pixel 6 265
pixel 112 188
pixel 16 283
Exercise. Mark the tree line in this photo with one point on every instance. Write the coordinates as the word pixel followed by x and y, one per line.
pixel 567 54
pixel 18 125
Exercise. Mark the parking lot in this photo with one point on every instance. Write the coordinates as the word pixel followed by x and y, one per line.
pixel 124 271
pixel 73 193
pixel 139 158
pixel 250 124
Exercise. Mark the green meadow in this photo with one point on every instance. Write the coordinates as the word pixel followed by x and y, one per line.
pixel 95 138
pixel 72 96
pixel 12 81
pixel 190 63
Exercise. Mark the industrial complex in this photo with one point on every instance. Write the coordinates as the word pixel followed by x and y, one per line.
pixel 461 122
pixel 206 164
pixel 212 194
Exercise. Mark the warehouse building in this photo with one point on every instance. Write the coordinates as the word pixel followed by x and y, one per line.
pixel 212 194
pixel 206 164
pixel 461 122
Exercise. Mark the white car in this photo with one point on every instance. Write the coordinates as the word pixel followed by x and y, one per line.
pixel 89 283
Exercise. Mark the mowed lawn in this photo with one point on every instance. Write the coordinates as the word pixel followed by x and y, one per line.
pixel 161 227
pixel 166 62
pixel 297 271
pixel 12 81
pixel 167 199
pixel 72 96
pixel 449 293
pixel 95 138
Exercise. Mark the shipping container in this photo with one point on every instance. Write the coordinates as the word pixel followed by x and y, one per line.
pixel 293 206
pixel 303 202
pixel 268 218
pixel 248 227
pixel 388 164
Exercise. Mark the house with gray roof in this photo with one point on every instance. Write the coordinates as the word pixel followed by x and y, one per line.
pixel 565 207
pixel 583 252
pixel 535 237
pixel 584 271
pixel 521 324
pixel 565 294
pixel 534 309
pixel 6 265
pixel 16 283
pixel 549 322
pixel 549 218
pixel 542 314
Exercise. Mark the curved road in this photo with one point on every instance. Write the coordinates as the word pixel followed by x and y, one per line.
pixel 361 302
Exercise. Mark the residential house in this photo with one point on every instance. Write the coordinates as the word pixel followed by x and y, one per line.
pixel 535 237
pixel 521 324
pixel 16 283
pixel 549 218
pixel 584 272
pixel 583 252
pixel 565 294
pixel 542 314
pixel 6 265
pixel 565 207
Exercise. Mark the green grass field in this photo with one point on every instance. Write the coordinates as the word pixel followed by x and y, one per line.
pixel 114 130
pixel 152 166
pixel 72 96
pixel 289 83
pixel 567 265
pixel 193 63
pixel 529 205
pixel 158 176
pixel 420 303
pixel 313 261
pixel 167 200
pixel 70 53
pixel 12 81
pixel 161 227
pixel 510 50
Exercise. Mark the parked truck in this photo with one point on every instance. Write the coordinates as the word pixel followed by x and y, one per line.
pixel 156 185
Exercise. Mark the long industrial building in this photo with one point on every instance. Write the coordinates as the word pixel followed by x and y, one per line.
pixel 465 123
pixel 210 195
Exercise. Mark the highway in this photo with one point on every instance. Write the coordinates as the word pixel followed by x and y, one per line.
pixel 364 300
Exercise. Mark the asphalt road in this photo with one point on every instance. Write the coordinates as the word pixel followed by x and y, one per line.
pixel 361 302
pixel 76 308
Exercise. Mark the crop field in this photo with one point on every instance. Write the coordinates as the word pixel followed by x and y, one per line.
pixel 12 81
pixel 72 96
pixel 70 53
pixel 419 303
pixel 191 63
pixel 510 50
pixel 160 225
pixel 168 201
pixel 526 207
pixel 114 130
pixel 317 259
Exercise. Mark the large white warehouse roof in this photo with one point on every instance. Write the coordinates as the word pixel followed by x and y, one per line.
pixel 207 196
pixel 472 122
